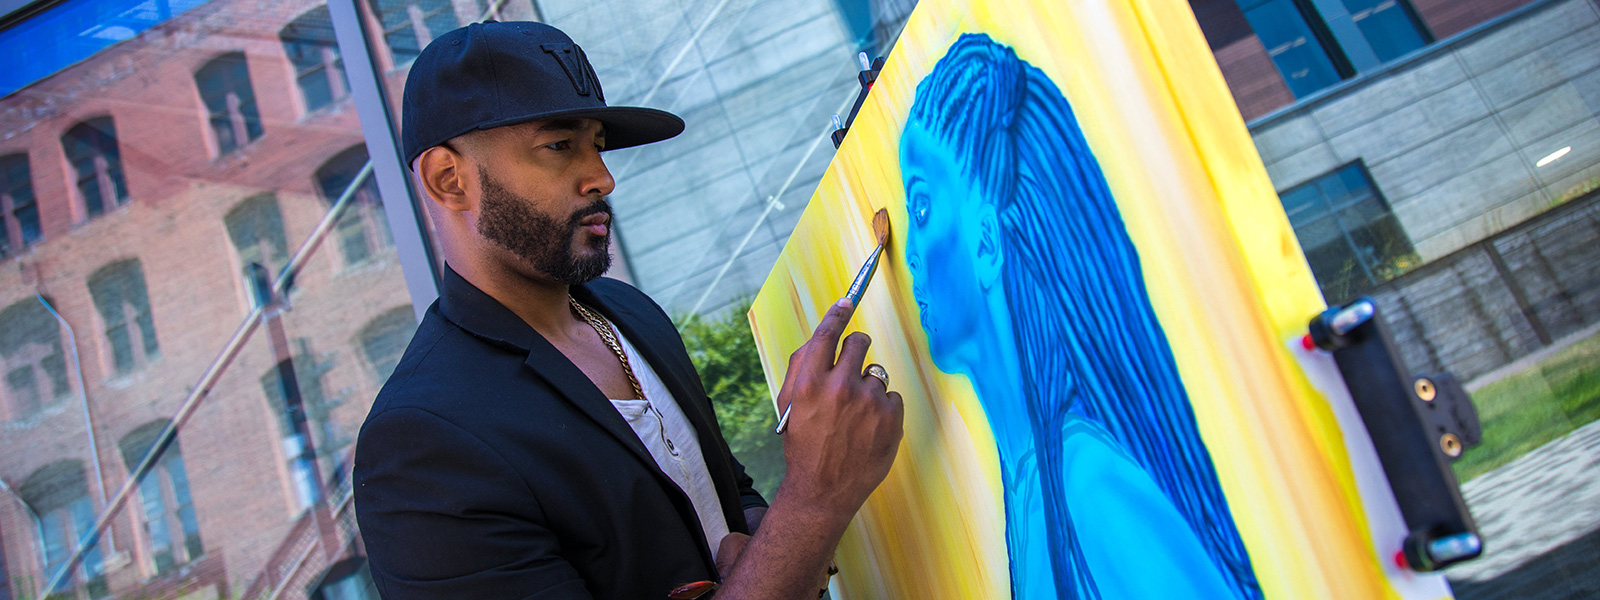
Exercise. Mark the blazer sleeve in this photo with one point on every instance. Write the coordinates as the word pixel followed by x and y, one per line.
pixel 443 515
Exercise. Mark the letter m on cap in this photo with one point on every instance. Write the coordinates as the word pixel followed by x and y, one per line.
pixel 576 65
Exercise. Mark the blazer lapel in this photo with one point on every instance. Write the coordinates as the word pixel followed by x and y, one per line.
pixel 571 383
pixel 654 336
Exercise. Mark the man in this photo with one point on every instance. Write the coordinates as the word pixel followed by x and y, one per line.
pixel 545 434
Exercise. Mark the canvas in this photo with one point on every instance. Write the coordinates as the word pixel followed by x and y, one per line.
pixel 1091 302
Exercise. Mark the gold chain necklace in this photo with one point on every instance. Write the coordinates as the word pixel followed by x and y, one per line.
pixel 608 334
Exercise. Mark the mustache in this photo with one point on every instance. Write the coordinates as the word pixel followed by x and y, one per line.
pixel 600 206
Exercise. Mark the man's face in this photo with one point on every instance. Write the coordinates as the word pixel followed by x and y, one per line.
pixel 543 197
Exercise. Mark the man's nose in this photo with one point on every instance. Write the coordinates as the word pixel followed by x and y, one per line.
pixel 597 178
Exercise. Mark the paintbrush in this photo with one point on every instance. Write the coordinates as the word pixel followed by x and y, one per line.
pixel 880 228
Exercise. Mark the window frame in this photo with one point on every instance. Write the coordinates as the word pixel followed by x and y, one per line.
pixel 103 151
pixel 130 316
pixel 239 113
pixel 1335 209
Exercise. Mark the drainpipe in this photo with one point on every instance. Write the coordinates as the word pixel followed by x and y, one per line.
pixel 88 418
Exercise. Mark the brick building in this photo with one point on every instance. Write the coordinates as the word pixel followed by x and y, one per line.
pixel 139 185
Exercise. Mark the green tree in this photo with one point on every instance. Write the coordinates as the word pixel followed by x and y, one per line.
pixel 724 351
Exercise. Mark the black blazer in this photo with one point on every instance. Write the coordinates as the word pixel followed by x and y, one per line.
pixel 490 467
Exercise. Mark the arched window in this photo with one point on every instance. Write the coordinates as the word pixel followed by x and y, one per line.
pixel 314 406
pixel 34 368
pixel 408 25
pixel 171 528
pixel 363 229
pixel 230 101
pixel 384 339
pixel 255 225
pixel 91 148
pixel 19 212
pixel 309 43
pixel 58 493
pixel 119 294
pixel 347 579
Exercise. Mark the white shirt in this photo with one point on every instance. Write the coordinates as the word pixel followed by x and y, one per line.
pixel 688 468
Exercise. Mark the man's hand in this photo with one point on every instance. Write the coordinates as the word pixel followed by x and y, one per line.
pixel 844 430
pixel 844 427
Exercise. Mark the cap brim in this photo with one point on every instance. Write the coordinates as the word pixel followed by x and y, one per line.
pixel 626 126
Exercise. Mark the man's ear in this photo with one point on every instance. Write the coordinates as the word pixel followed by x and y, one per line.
pixel 443 172
pixel 991 257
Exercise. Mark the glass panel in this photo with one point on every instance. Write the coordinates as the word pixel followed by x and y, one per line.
pixel 1296 51
pixel 1387 26
pixel 138 240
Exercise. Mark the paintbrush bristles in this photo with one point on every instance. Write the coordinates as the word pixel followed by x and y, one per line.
pixel 880 225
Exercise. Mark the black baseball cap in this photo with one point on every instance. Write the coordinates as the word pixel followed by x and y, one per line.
pixel 493 74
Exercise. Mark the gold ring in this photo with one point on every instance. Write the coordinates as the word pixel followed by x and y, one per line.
pixel 877 370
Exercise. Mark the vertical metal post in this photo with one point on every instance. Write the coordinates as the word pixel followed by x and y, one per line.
pixel 383 149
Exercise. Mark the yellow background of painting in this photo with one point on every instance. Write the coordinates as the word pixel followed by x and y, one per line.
pixel 1226 274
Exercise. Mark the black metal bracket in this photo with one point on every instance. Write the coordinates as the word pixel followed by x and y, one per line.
pixel 1418 425
pixel 867 77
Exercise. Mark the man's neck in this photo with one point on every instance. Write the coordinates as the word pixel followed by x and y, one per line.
pixel 539 302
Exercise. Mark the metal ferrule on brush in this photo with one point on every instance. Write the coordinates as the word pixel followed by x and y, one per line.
pixel 859 286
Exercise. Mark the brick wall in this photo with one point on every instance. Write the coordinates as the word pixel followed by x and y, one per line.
pixel 179 191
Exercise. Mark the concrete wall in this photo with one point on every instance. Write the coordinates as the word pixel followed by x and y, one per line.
pixel 1452 136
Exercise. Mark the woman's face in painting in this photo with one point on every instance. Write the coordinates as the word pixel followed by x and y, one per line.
pixel 953 263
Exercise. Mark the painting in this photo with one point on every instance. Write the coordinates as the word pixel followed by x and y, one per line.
pixel 1090 301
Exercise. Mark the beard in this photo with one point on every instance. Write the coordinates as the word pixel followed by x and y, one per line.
pixel 510 222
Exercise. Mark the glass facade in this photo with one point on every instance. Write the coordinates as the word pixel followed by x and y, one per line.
pixel 162 165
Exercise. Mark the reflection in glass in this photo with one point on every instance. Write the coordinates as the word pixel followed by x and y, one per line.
pixel 1296 50
pixel 1388 27
pixel 91 149
pixel 310 46
pixel 225 88
pixel 18 211
pixel 1352 240
pixel 119 294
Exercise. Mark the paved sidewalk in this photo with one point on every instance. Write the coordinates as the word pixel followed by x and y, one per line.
pixel 1540 519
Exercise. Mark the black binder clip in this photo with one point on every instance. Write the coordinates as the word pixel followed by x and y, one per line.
pixel 1418 426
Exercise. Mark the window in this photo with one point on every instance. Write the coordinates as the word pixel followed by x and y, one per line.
pixel 348 579
pixel 1287 33
pixel 1311 55
pixel 255 225
pixel 58 493
pixel 119 294
pixel 91 148
pixel 20 225
pixel 408 25
pixel 314 407
pixel 384 339
pixel 1349 236
pixel 1388 26
pixel 363 229
pixel 31 359
pixel 224 85
pixel 309 43
pixel 170 526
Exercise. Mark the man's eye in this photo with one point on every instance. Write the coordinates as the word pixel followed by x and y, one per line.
pixel 561 145
pixel 921 209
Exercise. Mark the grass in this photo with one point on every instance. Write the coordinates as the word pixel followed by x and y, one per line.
pixel 1528 409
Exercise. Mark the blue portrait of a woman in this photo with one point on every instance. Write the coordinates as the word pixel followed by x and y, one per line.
pixel 1027 283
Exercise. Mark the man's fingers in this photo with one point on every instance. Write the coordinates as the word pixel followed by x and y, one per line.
pixel 854 352
pixel 826 337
